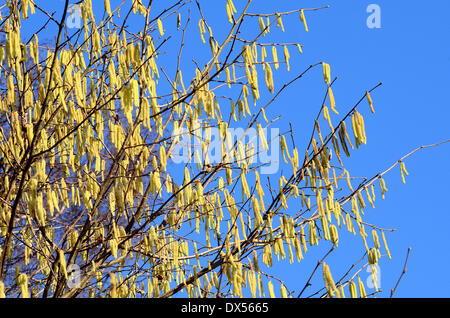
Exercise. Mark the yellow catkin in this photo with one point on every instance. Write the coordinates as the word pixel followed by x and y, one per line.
pixel 326 115
pixel 107 8
pixel 229 13
pixel 303 239
pixel 280 22
pixel 329 282
pixel 385 245
pixel 271 292
pixel 383 187
pixel 262 136
pixel 348 181
pixel 269 77
pixel 201 26
pixel 369 100
pixel 114 248
pixel 332 101
pixel 286 57
pixel 262 26
pixel 369 197
pixel 113 287
pixel 283 291
pixel 303 19
pixel 376 241
pixel 178 21
pixel 352 289
pixel 257 212
pixel 275 57
pixel 341 291
pixel 232 10
pixel 245 188
pixel 23 281
pixel 62 263
pixel 403 171
pixel 227 71
pixel 334 234
pixel 372 256
pixel 326 73
pixel 362 290
pixel 160 27
pixel 313 239
pixel 263 54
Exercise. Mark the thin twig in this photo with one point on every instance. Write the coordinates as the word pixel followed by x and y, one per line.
pixel 403 273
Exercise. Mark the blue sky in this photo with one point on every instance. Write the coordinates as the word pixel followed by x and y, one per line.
pixel 410 54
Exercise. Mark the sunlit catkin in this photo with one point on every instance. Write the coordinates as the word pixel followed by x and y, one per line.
pixel 22 281
pixel 275 57
pixel 385 245
pixel 160 27
pixel 286 57
pixel 403 171
pixel 270 287
pixel 326 73
pixel 269 77
pixel 334 234
pixel 262 26
pixel 2 290
pixel 352 289
pixel 280 22
pixel 62 263
pixel 332 101
pixel 303 19
pixel 328 279
pixel 362 290
pixel 369 100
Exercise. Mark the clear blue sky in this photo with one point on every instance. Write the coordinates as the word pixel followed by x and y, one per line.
pixel 410 54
